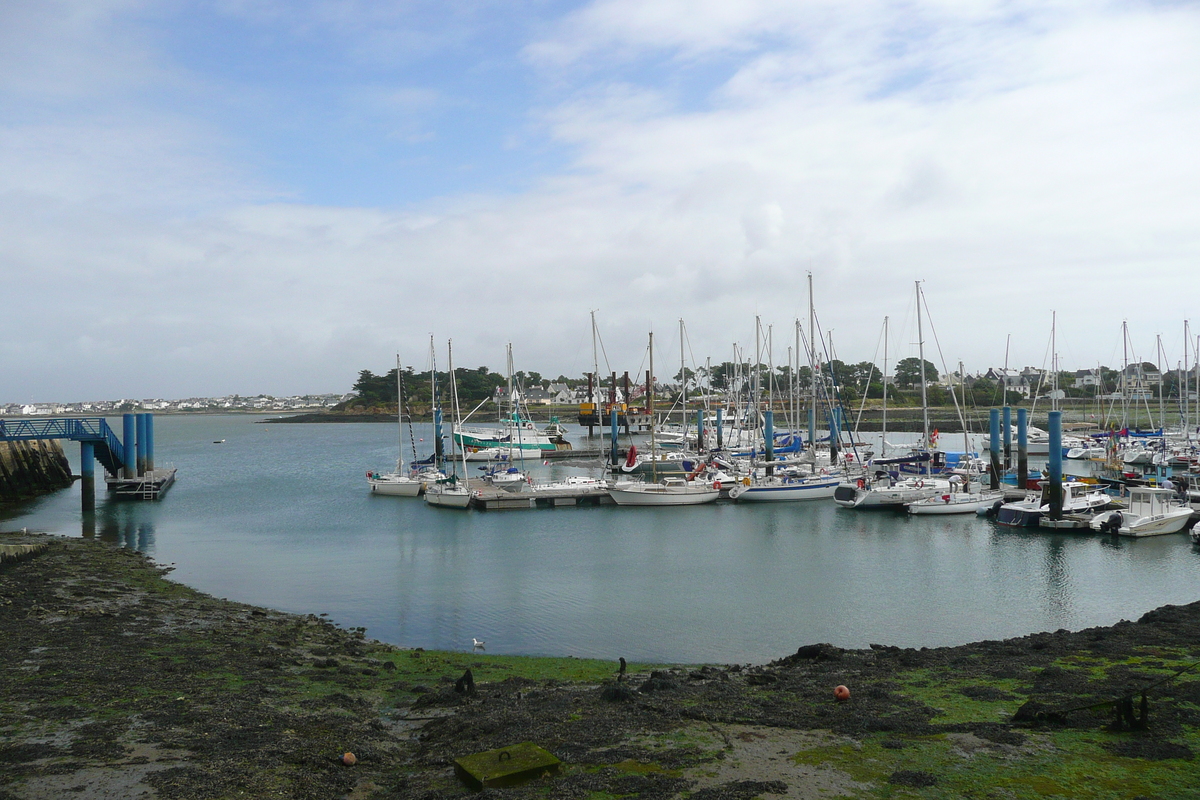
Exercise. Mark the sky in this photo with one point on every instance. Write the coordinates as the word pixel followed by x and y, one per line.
pixel 260 196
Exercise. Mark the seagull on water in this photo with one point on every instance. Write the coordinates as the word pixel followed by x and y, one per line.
pixel 477 643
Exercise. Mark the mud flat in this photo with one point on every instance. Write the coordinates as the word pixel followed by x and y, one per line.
pixel 118 683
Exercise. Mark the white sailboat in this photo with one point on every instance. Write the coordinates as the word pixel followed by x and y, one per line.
pixel 401 482
pixel 673 491
pixel 450 492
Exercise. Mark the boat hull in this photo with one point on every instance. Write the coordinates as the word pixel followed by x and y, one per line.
pixel 654 494
pixel 961 503
pixel 396 487
pixel 448 498
pixel 784 492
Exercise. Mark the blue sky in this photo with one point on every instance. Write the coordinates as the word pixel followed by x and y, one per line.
pixel 283 193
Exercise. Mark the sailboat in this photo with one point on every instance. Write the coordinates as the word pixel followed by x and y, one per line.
pixel 401 482
pixel 450 492
pixel 675 491
pixel 883 490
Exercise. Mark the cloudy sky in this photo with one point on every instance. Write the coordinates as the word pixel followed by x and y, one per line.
pixel 201 197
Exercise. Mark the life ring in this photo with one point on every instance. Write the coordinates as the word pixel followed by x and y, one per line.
pixel 920 484
pixel 824 471
pixel 861 483
pixel 479 492
pixel 717 485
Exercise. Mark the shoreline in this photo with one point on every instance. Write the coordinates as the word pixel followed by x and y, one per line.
pixel 120 681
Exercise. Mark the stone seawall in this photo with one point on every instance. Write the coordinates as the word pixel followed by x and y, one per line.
pixel 30 468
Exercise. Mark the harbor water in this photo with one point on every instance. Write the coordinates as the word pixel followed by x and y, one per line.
pixel 280 515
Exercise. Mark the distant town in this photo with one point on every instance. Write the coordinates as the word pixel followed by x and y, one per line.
pixel 257 403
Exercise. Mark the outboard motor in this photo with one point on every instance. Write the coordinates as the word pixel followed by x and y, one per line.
pixel 1113 523
pixel 995 509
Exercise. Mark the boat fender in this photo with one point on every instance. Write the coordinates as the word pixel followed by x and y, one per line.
pixel 717 485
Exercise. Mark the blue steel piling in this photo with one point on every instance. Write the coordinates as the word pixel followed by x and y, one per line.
pixel 720 430
pixel 700 431
pixel 129 436
pixel 613 455
pixel 994 446
pixel 1054 465
pixel 140 424
pixel 149 442
pixel 87 474
pixel 1022 447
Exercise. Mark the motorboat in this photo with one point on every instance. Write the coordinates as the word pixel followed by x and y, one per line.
pixel 884 491
pixel 1152 511
pixel 1077 498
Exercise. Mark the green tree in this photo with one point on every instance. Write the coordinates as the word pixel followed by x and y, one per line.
pixel 908 372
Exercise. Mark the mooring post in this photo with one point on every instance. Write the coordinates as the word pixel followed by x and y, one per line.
pixel 149 442
pixel 1007 438
pixel 140 425
pixel 720 429
pixel 129 444
pixel 700 430
pixel 1023 446
pixel 994 445
pixel 87 475
pixel 616 458
pixel 1054 465
pixel 769 439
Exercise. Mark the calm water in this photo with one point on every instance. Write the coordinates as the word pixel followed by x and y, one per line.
pixel 280 516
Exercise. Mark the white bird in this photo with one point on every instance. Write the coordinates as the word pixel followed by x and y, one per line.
pixel 477 643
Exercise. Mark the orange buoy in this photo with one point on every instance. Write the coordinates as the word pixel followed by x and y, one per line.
pixel 841 693
pixel 349 759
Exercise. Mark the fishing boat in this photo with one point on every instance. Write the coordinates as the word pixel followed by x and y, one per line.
pixel 1151 512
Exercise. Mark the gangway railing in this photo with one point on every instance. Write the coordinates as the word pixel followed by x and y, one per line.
pixel 108 447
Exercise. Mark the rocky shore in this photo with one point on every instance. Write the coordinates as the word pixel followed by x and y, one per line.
pixel 31 468
pixel 118 683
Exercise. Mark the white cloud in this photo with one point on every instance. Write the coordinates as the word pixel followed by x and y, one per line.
pixel 1018 158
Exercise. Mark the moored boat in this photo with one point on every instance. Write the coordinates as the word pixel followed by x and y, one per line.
pixel 1151 512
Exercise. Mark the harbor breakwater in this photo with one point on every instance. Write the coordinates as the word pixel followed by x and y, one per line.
pixel 31 468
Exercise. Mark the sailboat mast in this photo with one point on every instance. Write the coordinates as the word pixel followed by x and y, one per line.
pixel 921 356
pixel 399 415
pixel 439 453
pixel 683 385
pixel 883 439
pixel 812 355
pixel 1125 374
pixel 650 410
pixel 454 396
pixel 1054 361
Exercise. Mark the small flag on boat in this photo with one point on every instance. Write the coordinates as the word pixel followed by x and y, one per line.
pixel 545 463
